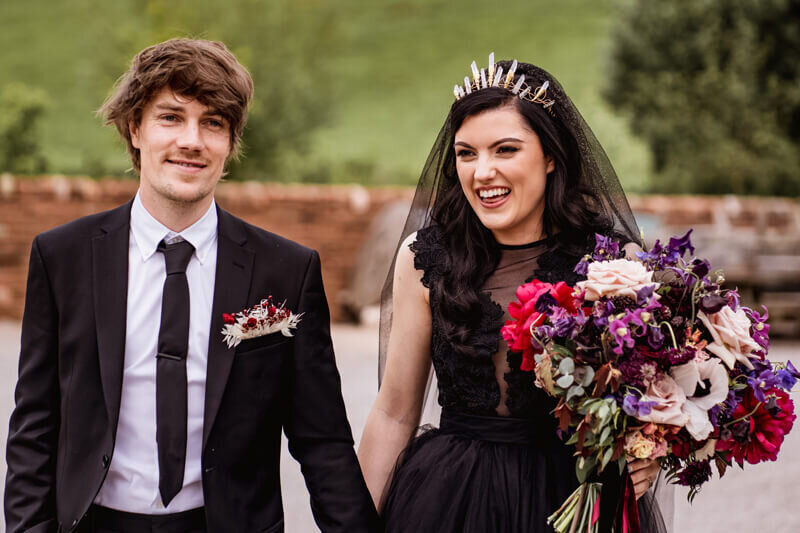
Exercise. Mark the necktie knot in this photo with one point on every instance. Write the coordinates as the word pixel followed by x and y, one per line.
pixel 176 255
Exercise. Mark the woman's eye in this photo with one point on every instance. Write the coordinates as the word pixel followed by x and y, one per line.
pixel 508 149
pixel 463 153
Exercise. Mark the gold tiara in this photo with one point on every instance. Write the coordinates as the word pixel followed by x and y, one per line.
pixel 481 79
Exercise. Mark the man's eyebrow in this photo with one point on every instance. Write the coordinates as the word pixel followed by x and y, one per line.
pixel 169 107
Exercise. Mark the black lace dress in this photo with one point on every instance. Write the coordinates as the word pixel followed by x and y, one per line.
pixel 495 463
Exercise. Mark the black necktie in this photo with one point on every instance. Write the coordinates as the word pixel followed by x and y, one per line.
pixel 173 343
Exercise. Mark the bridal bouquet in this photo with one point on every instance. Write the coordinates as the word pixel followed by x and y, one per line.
pixel 651 359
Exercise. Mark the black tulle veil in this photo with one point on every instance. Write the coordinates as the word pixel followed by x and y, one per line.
pixel 598 176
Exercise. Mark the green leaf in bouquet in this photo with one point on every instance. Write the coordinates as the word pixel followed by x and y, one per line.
pixel 605 435
pixel 572 440
pixel 622 463
pixel 584 467
pixel 603 412
pixel 565 381
pixel 564 352
pixel 566 366
pixel 606 457
pixel 574 392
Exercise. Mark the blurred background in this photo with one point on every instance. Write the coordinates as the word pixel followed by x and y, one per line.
pixel 697 103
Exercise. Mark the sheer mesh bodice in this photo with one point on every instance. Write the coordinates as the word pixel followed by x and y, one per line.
pixel 490 383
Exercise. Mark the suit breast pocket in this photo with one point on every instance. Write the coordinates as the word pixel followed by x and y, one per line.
pixel 273 340
pixel 259 366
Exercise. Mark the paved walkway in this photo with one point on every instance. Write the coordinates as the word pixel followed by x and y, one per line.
pixel 760 498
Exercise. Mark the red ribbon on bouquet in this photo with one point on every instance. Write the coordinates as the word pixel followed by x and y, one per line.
pixel 616 508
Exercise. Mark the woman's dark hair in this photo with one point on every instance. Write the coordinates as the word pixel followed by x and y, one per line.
pixel 571 210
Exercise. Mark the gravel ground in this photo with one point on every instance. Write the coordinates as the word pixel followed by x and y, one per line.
pixel 760 498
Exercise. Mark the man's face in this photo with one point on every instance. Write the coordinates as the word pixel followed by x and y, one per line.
pixel 183 147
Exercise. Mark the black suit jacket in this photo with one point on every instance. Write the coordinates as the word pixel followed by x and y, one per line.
pixel 62 430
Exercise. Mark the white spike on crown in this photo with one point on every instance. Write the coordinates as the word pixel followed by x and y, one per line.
pixel 481 79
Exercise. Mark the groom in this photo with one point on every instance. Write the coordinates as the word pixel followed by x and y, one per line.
pixel 132 413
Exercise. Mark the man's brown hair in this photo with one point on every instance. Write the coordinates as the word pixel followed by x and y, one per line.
pixel 192 68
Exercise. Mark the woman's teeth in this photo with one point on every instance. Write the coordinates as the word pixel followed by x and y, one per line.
pixel 493 193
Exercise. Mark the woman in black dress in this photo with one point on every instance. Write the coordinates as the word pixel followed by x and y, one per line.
pixel 515 188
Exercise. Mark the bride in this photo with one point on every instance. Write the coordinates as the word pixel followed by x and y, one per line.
pixel 516 187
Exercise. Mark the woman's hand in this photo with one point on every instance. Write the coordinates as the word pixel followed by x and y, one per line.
pixel 643 474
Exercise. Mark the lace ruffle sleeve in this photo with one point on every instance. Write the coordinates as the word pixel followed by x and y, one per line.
pixel 429 253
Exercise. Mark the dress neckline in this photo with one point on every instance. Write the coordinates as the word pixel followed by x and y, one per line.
pixel 523 246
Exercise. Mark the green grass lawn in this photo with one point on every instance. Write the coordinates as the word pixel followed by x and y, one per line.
pixel 394 68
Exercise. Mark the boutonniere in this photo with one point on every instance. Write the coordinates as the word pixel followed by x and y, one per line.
pixel 263 319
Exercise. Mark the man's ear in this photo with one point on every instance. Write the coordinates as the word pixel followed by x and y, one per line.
pixel 133 129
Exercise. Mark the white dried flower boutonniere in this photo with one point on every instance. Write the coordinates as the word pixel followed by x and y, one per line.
pixel 263 319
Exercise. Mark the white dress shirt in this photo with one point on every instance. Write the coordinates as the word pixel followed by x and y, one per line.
pixel 132 481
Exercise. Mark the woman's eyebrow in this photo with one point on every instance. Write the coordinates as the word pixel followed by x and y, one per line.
pixel 500 141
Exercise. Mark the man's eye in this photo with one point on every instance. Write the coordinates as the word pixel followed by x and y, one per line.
pixel 169 118
pixel 215 123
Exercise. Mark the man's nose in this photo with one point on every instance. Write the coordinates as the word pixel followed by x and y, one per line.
pixel 191 137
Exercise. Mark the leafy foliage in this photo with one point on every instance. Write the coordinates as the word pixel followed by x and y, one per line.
pixel 21 108
pixel 713 87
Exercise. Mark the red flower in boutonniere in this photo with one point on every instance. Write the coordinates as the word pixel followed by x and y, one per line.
pixel 264 318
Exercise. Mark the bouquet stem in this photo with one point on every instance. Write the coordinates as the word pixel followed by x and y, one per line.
pixel 575 515
pixel 578 516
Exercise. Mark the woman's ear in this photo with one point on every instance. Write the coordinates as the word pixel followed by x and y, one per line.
pixel 551 165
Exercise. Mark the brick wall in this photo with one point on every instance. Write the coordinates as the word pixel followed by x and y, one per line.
pixel 335 219
pixel 331 219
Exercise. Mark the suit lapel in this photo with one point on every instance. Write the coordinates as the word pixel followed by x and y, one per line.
pixel 110 286
pixel 231 288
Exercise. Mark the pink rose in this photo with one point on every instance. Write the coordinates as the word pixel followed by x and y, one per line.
pixel 669 398
pixel 731 332
pixel 619 277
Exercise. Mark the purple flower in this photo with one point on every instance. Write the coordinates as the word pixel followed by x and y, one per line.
pixel 679 245
pixel 582 268
pixel 700 267
pixel 605 248
pixel 545 303
pixel 622 335
pixel 565 324
pixel 788 376
pixel 655 337
pixel 760 329
pixel 733 300
pixel 644 296
pixel 634 406
pixel 763 381
pixel 695 473
pixel 712 303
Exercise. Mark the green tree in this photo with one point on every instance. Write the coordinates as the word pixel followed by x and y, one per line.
pixel 21 108
pixel 713 87
pixel 282 43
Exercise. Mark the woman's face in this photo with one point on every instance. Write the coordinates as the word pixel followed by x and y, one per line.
pixel 503 171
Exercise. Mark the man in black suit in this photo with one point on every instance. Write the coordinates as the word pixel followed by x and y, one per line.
pixel 132 412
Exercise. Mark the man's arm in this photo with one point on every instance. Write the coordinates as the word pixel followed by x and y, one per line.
pixel 30 503
pixel 316 424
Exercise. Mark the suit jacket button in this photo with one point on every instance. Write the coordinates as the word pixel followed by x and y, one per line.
pixel 106 460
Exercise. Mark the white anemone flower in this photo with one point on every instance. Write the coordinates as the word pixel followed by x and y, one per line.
pixel 705 384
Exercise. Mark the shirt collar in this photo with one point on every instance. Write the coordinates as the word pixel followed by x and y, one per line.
pixel 147 232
